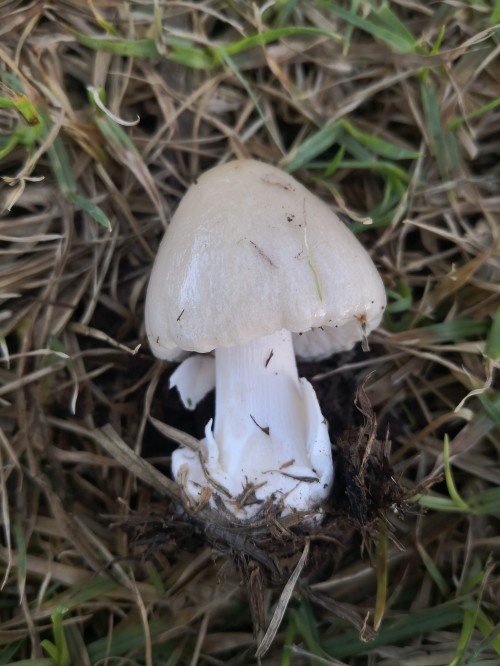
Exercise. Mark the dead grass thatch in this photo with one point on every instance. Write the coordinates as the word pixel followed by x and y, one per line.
pixel 391 112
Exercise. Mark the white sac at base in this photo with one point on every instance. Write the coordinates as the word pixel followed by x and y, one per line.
pixel 265 478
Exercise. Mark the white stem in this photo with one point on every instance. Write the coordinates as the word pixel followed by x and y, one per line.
pixel 259 413
pixel 269 434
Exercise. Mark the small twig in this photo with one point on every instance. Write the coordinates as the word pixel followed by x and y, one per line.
pixel 265 429
pixel 269 358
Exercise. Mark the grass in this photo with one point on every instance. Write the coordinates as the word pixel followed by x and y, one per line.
pixel 390 111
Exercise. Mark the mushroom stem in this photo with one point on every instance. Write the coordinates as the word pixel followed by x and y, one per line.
pixel 270 441
pixel 260 412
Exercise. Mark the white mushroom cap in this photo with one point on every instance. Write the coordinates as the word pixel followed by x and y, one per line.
pixel 249 252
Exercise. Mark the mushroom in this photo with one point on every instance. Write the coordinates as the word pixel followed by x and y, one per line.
pixel 253 264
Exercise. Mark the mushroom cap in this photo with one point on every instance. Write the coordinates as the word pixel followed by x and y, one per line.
pixel 251 251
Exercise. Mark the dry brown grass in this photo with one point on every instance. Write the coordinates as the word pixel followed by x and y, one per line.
pixel 396 122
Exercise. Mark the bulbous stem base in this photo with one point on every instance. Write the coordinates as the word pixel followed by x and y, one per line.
pixel 270 441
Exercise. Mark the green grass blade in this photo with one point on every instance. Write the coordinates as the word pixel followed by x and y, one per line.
pixel 383 29
pixel 28 110
pixel 12 81
pixel 34 662
pixel 335 163
pixel 273 35
pixel 433 570
pixel 115 135
pixel 95 212
pixel 123 641
pixel 443 142
pixel 486 503
pixel 495 14
pixel 63 173
pixel 354 147
pixel 184 52
pixel 51 650
pixel 156 579
pixel 465 637
pixel 8 146
pixel 290 634
pixel 455 331
pixel 402 298
pixel 313 146
pixel 347 33
pixel 474 617
pixel 387 18
pixel 93 589
pixel 384 168
pixel 138 48
pixel 10 651
pixel 306 625
pixel 75 637
pixel 28 135
pixel 23 105
pixel 382 579
pixel 491 405
pixel 360 144
pixel 285 9
pixel 101 21
pixel 61 167
pixel 437 503
pixel 450 483
pixel 487 628
pixel 493 340
pixel 7 103
pixel 490 106
pixel 397 632
pixel 379 146
pixel 63 658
